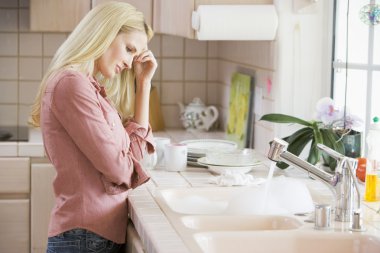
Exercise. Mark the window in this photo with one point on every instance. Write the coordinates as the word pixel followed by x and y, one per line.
pixel 360 53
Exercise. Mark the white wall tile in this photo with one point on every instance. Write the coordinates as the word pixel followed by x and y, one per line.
pixel 52 41
pixel 45 63
pixel 8 92
pixel 24 111
pixel 8 20
pixel 172 46
pixel 172 92
pixel 195 89
pixel 8 115
pixel 28 91
pixel 9 44
pixel 212 70
pixel 172 69
pixel 155 45
pixel 23 3
pixel 171 116
pixel 195 70
pixel 195 48
pixel 9 3
pixel 30 69
pixel 30 44
pixel 24 20
pixel 8 68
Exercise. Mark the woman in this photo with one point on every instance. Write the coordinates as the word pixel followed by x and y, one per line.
pixel 92 108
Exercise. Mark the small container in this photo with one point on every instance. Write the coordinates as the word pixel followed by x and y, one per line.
pixel 373 162
pixel 322 217
pixel 361 169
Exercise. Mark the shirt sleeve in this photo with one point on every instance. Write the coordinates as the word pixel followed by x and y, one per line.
pixel 76 106
pixel 141 139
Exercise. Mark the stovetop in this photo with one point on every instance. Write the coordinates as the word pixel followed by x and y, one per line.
pixel 14 133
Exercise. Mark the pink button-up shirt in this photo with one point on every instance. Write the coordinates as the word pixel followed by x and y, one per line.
pixel 96 157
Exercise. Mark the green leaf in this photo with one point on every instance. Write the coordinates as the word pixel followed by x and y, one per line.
pixel 330 139
pixel 282 118
pixel 297 142
pixel 314 153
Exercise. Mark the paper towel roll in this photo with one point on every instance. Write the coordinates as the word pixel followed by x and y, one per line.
pixel 235 22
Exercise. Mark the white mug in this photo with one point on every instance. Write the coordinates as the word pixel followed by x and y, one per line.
pixel 175 157
pixel 160 148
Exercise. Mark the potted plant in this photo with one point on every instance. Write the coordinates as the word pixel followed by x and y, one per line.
pixel 331 128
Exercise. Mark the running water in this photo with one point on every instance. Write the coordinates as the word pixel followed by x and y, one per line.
pixel 267 185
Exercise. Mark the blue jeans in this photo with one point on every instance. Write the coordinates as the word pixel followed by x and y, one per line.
pixel 81 241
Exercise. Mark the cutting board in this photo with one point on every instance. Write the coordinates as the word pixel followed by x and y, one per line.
pixel 238 128
pixel 156 118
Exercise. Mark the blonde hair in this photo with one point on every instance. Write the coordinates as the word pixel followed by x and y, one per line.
pixel 89 40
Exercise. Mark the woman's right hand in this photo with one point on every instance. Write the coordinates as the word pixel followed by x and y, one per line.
pixel 145 66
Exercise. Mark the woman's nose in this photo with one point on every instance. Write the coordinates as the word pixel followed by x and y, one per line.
pixel 128 62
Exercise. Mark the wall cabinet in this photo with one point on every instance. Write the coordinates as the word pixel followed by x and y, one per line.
pixel 57 15
pixel 173 17
pixel 145 6
pixel 64 15
pixel 14 205
pixel 42 201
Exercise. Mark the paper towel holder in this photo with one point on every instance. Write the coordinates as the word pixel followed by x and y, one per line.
pixel 207 14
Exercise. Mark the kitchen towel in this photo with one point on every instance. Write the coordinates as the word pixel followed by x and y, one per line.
pixel 235 22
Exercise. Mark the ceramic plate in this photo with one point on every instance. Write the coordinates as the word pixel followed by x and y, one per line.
pixel 199 147
pixel 203 160
pixel 220 169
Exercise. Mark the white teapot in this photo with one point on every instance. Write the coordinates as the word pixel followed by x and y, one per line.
pixel 198 116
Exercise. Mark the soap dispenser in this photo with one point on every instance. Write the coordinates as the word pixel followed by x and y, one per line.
pixel 372 181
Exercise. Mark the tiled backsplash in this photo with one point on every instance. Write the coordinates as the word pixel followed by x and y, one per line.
pixel 187 68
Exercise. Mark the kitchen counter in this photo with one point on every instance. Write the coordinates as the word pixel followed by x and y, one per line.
pixel 34 146
pixel 158 234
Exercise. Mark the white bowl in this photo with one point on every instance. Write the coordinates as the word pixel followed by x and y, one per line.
pixel 238 157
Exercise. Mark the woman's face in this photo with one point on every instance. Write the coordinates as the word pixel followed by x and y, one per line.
pixel 121 52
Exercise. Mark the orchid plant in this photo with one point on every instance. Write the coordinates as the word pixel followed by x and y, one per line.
pixel 330 126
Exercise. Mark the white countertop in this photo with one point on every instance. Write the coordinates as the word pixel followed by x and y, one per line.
pixel 34 147
pixel 158 234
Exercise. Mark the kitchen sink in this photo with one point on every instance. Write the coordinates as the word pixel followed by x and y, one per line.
pixel 242 223
pixel 281 242
pixel 284 197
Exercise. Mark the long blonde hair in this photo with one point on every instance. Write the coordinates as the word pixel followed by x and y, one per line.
pixel 89 40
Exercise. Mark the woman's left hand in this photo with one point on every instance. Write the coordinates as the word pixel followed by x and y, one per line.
pixel 144 65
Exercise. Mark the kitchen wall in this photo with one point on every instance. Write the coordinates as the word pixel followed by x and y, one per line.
pixel 187 68
pixel 290 71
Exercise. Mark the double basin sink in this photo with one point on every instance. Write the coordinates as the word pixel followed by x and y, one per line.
pixel 204 219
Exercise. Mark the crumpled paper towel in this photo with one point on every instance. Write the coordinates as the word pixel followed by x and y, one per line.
pixel 233 179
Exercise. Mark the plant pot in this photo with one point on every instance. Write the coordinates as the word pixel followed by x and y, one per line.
pixel 352 144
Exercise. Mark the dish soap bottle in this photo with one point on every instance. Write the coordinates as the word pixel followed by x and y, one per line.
pixel 372 183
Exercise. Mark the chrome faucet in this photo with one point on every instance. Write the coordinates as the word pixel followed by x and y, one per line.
pixel 343 182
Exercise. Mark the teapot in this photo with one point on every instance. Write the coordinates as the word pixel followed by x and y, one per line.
pixel 197 115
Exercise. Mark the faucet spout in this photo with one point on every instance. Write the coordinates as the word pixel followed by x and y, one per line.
pixel 278 152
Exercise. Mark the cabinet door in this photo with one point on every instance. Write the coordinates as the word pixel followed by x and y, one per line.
pixel 42 201
pixel 14 226
pixel 174 17
pixel 14 175
pixel 57 15
pixel 145 6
